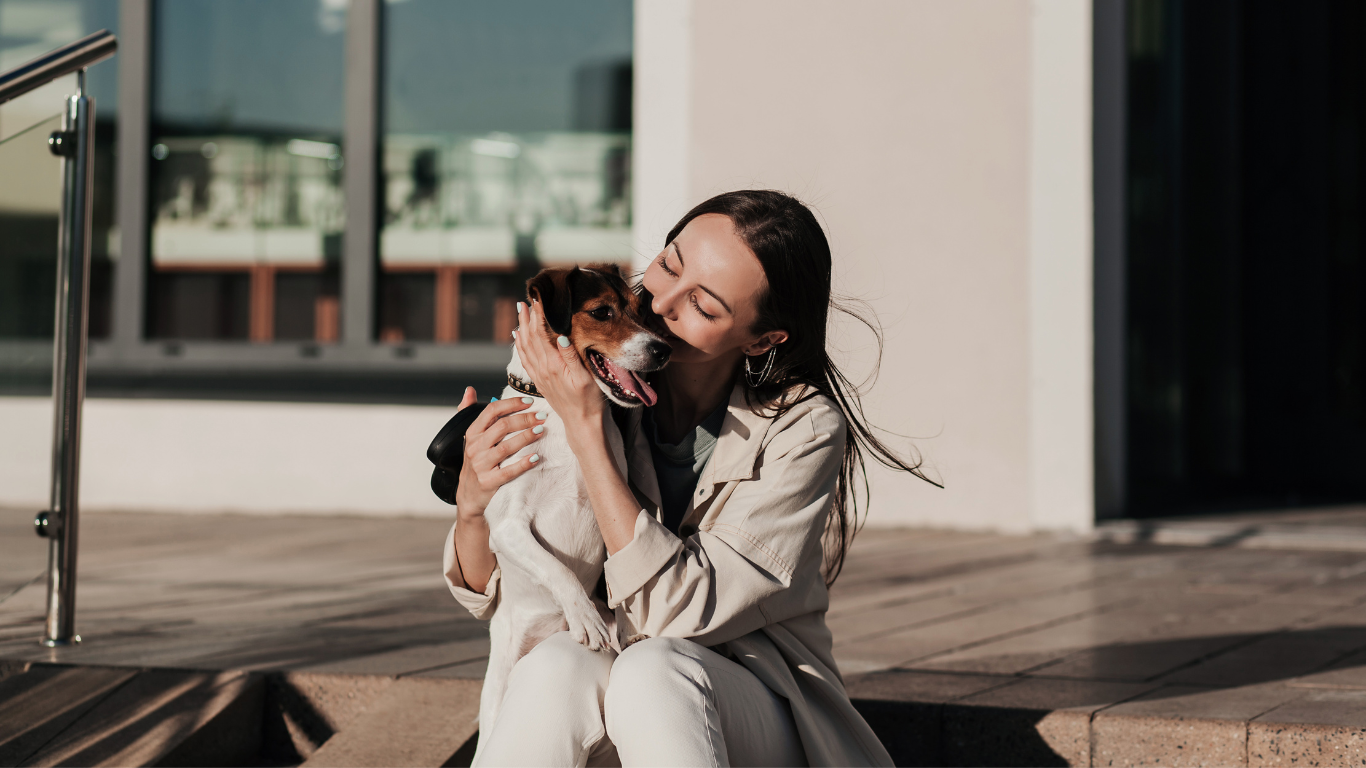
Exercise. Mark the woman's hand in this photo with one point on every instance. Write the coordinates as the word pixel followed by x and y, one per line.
pixel 485 449
pixel 558 372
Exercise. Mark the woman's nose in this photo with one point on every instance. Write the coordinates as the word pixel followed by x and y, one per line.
pixel 663 305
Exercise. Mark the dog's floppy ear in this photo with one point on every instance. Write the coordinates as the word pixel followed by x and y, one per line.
pixel 554 288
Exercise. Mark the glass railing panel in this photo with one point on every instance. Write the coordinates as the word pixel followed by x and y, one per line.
pixel 28 29
pixel 30 199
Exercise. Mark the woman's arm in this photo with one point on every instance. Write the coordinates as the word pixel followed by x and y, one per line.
pixel 487 445
pixel 571 390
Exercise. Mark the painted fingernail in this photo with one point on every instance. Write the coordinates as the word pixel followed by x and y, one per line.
pixel 542 415
pixel 528 400
pixel 538 429
pixel 535 457
pixel 514 334
pixel 493 399
pixel 520 307
pixel 564 341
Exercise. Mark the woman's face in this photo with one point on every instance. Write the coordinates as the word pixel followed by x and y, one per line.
pixel 705 285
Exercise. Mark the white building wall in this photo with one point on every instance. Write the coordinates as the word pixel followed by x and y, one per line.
pixel 1061 408
pixel 200 456
pixel 662 107
pixel 908 126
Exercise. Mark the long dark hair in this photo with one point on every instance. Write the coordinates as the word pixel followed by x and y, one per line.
pixel 795 255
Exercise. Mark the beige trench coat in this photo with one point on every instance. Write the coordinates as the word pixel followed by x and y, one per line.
pixel 747 573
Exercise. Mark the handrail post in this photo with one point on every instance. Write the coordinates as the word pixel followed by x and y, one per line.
pixel 75 143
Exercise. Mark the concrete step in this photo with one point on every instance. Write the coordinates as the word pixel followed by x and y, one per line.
pixel 66 715
pixel 1285 532
pixel 93 716
pixel 936 718
pixel 415 722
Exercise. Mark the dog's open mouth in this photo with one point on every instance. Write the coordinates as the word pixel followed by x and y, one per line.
pixel 626 385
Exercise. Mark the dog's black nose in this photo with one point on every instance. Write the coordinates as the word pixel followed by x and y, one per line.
pixel 659 352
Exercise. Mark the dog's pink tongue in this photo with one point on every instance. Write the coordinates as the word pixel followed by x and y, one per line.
pixel 632 382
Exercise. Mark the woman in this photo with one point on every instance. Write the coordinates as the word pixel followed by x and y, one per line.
pixel 723 539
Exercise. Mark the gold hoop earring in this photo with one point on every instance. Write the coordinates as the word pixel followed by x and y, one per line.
pixel 762 375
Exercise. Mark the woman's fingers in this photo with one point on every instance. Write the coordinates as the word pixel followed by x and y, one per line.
pixel 499 441
pixel 509 424
pixel 469 399
pixel 504 475
pixel 496 411
pixel 540 350
pixel 488 466
pixel 514 444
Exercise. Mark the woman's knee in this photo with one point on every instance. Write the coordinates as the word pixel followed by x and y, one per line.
pixel 560 664
pixel 653 668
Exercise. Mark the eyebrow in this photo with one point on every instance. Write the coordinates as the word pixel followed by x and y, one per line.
pixel 709 291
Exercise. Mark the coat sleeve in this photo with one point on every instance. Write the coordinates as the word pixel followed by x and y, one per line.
pixel 734 575
pixel 480 604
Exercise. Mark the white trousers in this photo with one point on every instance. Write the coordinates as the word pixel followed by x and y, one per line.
pixel 663 701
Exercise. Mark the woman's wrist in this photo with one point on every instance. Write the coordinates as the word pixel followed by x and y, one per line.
pixel 584 432
pixel 468 513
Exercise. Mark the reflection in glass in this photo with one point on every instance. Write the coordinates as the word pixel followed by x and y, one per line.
pixel 509 147
pixel 31 194
pixel 246 199
pixel 28 234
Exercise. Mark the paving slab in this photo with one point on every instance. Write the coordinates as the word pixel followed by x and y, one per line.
pixel 1080 647
pixel 1183 726
pixel 1336 529
pixel 1280 656
pixel 416 722
pixel 182 718
pixel 407 661
pixel 1030 722
pixel 904 709
pixel 469 670
pixel 41 702
pixel 1347 673
pixel 1324 728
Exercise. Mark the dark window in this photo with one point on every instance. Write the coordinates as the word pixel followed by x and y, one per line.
pixel 1246 260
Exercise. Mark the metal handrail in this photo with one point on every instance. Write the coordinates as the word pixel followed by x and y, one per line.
pixel 54 64
pixel 75 144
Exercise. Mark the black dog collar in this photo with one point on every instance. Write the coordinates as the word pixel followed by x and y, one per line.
pixel 525 387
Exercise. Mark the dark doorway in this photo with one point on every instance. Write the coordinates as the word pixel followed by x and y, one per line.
pixel 1246 263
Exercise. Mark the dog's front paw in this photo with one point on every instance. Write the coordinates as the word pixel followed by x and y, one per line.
pixel 585 624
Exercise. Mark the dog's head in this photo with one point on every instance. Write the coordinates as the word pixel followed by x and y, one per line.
pixel 602 317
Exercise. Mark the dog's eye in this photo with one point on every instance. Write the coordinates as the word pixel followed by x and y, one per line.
pixel 601 314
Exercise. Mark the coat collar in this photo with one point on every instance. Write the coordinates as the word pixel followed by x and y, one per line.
pixel 737 448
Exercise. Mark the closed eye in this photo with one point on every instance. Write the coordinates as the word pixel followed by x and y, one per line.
pixel 693 300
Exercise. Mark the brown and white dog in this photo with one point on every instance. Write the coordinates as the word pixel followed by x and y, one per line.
pixel 541 524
